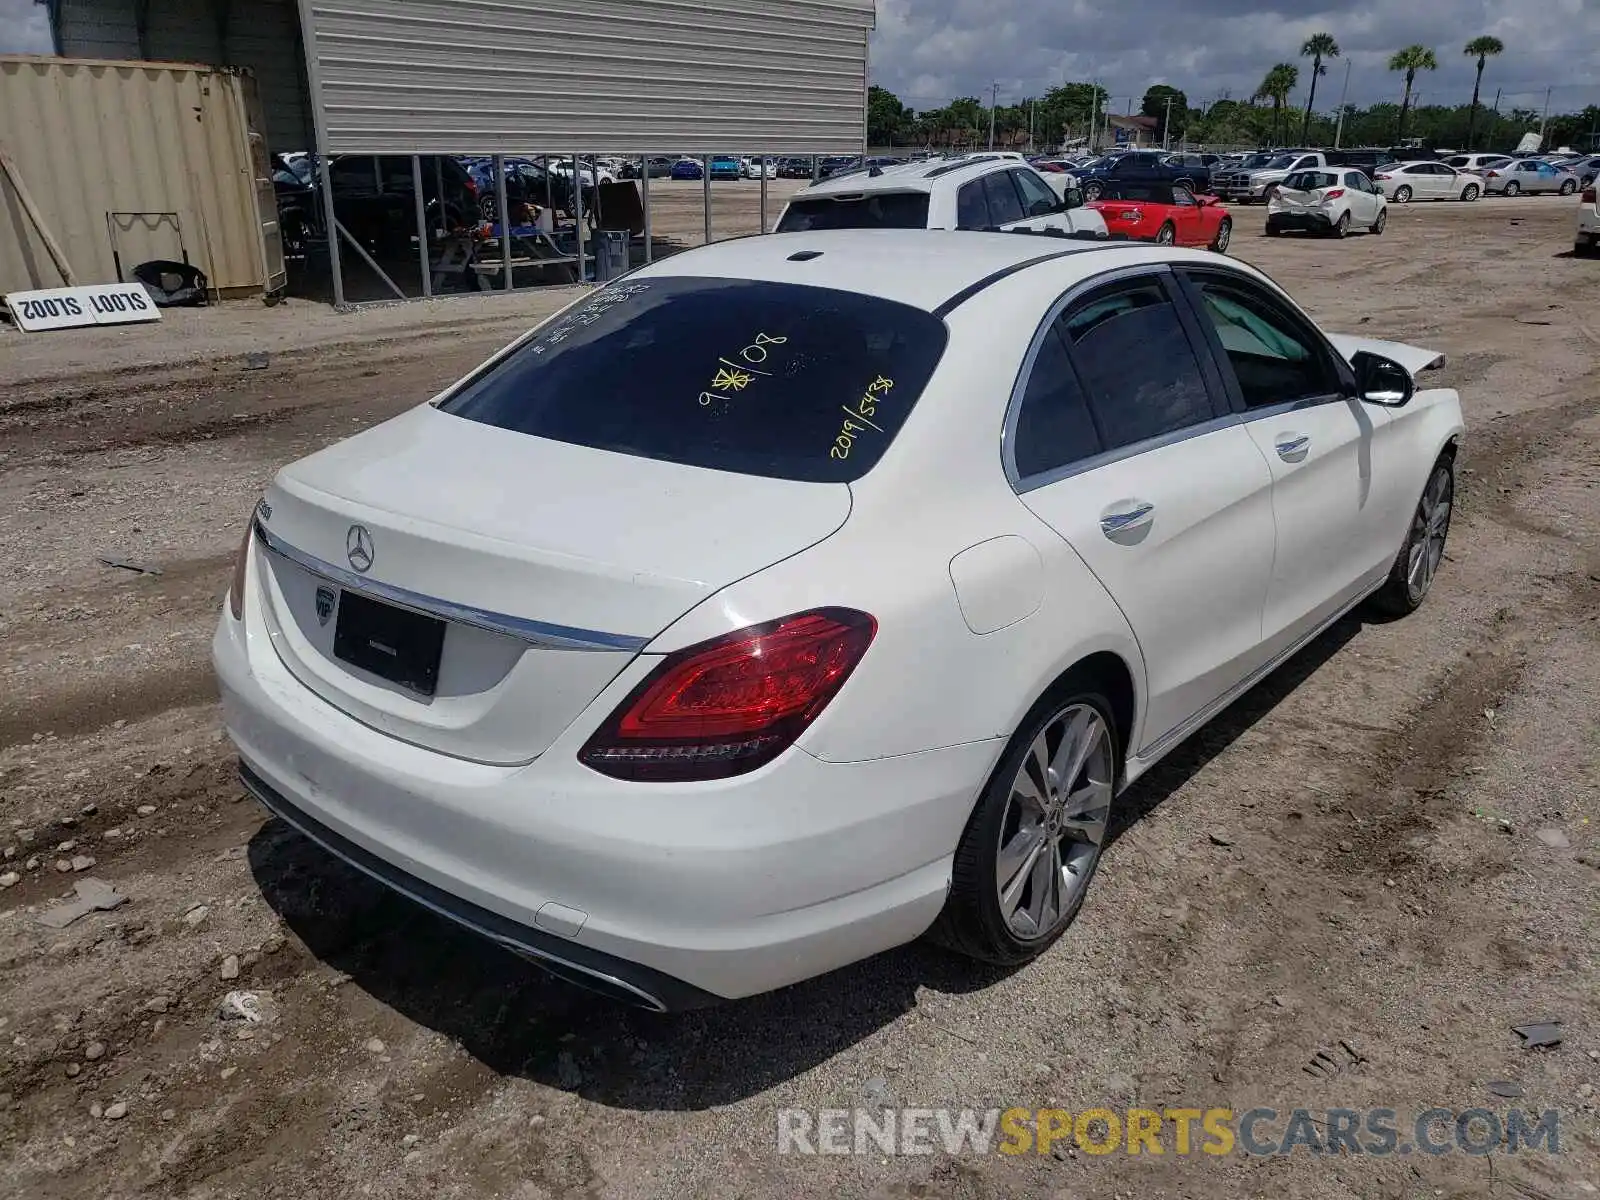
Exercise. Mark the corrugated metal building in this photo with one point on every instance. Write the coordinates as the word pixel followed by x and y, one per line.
pixel 517 76
pixel 636 76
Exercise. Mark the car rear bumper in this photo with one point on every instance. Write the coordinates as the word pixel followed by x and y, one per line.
pixel 1306 222
pixel 670 894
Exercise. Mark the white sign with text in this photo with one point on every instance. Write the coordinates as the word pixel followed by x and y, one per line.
pixel 71 307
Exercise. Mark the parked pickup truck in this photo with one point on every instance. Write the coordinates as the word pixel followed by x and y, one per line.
pixel 1257 177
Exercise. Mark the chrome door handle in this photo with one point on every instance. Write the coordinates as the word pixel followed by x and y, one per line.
pixel 1293 449
pixel 1139 515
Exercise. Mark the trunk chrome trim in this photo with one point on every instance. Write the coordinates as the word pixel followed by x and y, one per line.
pixel 536 633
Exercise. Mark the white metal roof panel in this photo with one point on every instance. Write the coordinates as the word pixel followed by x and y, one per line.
pixel 541 76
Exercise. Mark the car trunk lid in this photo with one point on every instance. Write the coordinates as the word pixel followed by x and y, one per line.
pixel 472 590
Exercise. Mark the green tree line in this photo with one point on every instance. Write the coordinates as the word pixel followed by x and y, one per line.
pixel 1271 116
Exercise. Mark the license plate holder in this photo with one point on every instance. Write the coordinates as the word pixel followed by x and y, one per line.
pixel 393 643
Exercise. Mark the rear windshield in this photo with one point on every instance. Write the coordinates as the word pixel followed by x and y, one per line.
pixel 878 210
pixel 771 379
pixel 1143 193
pixel 1310 181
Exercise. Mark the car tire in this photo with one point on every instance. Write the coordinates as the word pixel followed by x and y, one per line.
pixel 1341 228
pixel 1224 235
pixel 1512 188
pixel 1022 817
pixel 1402 194
pixel 1585 248
pixel 1568 186
pixel 1382 222
pixel 1166 235
pixel 1415 567
pixel 1092 191
pixel 1470 192
pixel 1273 230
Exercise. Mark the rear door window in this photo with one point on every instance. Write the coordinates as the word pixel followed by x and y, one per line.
pixel 875 210
pixel 1054 428
pixel 1139 371
pixel 1005 206
pixel 972 206
pixel 770 379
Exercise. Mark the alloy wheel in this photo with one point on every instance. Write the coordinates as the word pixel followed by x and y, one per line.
pixel 1055 822
pixel 1402 195
pixel 1382 221
pixel 1165 236
pixel 1429 528
pixel 1224 236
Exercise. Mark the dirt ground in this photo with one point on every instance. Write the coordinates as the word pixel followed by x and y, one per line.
pixel 1390 844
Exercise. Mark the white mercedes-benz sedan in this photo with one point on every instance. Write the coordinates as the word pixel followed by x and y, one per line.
pixel 800 595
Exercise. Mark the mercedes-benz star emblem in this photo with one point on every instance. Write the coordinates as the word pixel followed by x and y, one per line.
pixel 358 548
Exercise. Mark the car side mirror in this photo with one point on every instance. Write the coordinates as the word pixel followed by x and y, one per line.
pixel 1071 198
pixel 1381 380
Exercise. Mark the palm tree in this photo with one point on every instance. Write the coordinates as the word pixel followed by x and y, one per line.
pixel 1481 48
pixel 1316 47
pixel 1277 85
pixel 1411 60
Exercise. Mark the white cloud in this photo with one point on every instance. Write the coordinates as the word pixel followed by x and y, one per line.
pixel 24 28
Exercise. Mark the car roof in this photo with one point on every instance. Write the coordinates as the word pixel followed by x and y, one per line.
pixel 921 176
pixel 924 268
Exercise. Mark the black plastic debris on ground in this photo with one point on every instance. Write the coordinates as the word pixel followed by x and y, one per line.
pixel 1539 1034
pixel 128 564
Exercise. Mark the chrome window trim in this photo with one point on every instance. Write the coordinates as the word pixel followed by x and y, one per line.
pixel 1008 435
pixel 1107 457
pixel 535 633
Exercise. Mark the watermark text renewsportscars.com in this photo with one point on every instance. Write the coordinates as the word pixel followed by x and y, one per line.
pixel 1256 1132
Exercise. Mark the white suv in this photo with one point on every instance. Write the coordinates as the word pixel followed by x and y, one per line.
pixel 1587 242
pixel 975 191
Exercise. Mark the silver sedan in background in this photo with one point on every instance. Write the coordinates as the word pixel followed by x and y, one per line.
pixel 1530 175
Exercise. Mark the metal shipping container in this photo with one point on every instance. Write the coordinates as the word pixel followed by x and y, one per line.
pixel 149 160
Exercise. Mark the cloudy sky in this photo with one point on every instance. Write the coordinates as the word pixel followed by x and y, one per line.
pixel 928 51
pixel 23 28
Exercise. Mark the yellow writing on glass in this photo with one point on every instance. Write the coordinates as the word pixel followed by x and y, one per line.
pixel 732 376
pixel 735 381
pixel 858 419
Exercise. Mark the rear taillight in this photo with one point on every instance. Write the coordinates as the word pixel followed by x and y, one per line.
pixel 1333 193
pixel 734 703
pixel 1588 195
pixel 1380 177
pixel 1132 214
pixel 1492 175
pixel 240 561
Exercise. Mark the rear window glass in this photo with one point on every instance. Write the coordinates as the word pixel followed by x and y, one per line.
pixel 1310 181
pixel 770 379
pixel 1142 193
pixel 880 210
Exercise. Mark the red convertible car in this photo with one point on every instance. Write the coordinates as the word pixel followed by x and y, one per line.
pixel 1167 214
